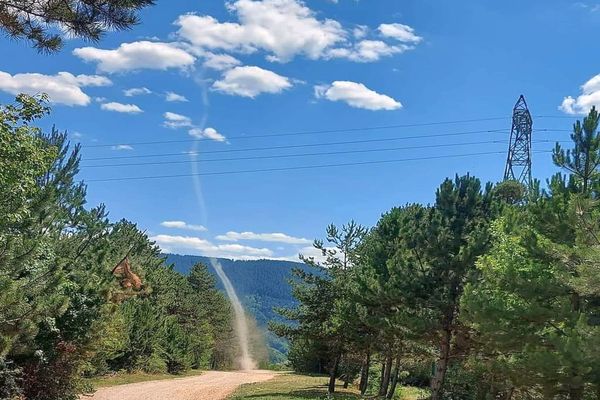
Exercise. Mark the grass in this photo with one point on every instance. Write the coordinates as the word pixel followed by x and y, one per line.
pixel 288 386
pixel 123 378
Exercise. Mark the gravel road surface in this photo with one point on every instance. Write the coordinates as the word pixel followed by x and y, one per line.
pixel 211 385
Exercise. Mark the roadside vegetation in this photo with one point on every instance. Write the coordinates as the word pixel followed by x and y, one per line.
pixel 291 386
pixel 82 296
pixel 491 292
pixel 124 378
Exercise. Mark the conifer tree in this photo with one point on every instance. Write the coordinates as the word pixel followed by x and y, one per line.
pixel 36 20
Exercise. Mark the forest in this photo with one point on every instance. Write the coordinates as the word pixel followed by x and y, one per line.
pixel 262 286
pixel 490 292
pixel 81 295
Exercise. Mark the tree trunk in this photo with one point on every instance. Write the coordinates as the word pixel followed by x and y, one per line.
pixel 346 382
pixel 576 393
pixel 364 374
pixel 442 365
pixel 385 379
pixel 395 376
pixel 333 374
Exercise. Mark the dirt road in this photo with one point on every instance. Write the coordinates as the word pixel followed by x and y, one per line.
pixel 212 385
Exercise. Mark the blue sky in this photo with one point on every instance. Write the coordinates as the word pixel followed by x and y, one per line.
pixel 212 76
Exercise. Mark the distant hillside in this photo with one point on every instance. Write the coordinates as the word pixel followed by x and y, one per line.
pixel 262 285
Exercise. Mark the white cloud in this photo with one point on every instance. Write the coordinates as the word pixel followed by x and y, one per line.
pixel 136 91
pixel 250 81
pixel 220 62
pixel 263 237
pixel 311 251
pixel 120 107
pixel 356 95
pixel 62 88
pixel 400 32
pixel 207 133
pixel 182 225
pixel 368 51
pixel 360 31
pixel 171 96
pixel 121 147
pixel 137 55
pixel 197 246
pixel 175 121
pixel 590 96
pixel 284 28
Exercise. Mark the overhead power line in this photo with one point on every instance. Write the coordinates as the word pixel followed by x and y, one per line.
pixel 327 153
pixel 297 155
pixel 295 146
pixel 303 167
pixel 316 132
pixel 310 132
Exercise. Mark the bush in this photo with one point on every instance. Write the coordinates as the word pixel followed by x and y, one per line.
pixel 10 377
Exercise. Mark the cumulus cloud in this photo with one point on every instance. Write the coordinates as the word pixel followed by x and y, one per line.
pixel 175 121
pixel 183 225
pixel 283 28
pixel 136 91
pixel 590 96
pixel 400 32
pixel 62 88
pixel 263 237
pixel 137 55
pixel 172 97
pixel 121 108
pixel 207 133
pixel 250 81
pixel 220 62
pixel 356 95
pixel 198 246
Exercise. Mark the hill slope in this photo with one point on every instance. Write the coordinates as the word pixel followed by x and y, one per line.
pixel 261 285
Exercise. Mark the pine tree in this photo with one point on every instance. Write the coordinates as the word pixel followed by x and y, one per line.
pixel 34 20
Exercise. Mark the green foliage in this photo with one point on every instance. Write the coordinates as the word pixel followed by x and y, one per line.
pixel 535 310
pixel 321 318
pixel 583 160
pixel 63 313
pixel 36 20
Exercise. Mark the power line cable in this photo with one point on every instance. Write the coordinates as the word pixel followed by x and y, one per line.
pixel 294 146
pixel 308 154
pixel 299 155
pixel 304 145
pixel 313 132
pixel 299 167
pixel 349 130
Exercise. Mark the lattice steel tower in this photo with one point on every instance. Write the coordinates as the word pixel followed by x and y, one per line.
pixel 518 162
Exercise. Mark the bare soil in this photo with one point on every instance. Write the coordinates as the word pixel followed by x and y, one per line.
pixel 212 385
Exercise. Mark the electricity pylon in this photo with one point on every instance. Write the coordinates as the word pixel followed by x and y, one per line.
pixel 518 162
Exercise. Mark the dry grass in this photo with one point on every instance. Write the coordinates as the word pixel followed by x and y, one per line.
pixel 123 378
pixel 289 386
